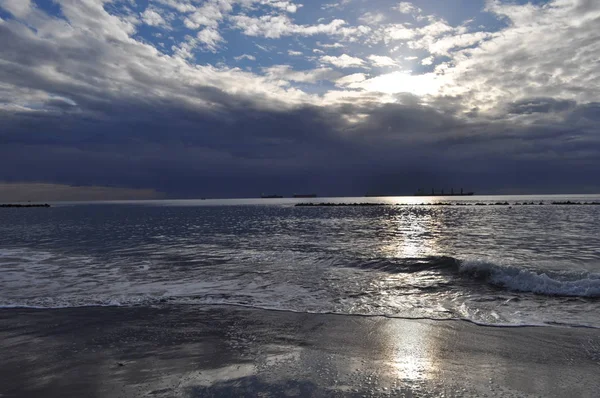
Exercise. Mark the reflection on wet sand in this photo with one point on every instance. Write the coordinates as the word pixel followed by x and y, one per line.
pixel 414 351
pixel 193 351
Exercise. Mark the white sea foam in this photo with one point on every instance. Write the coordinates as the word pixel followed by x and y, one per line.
pixel 525 280
pixel 405 288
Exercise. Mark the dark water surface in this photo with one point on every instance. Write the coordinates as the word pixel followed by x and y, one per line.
pixel 490 264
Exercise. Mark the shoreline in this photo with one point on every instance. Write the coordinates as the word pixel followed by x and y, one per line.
pixel 186 350
pixel 163 303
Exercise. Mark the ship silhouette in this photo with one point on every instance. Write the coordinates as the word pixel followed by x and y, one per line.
pixel 422 192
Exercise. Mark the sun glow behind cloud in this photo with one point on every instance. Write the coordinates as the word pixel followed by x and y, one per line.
pixel 402 82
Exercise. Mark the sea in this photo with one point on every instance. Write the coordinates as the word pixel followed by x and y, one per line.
pixel 491 260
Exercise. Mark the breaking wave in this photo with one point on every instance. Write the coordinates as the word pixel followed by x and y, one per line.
pixel 525 280
pixel 509 277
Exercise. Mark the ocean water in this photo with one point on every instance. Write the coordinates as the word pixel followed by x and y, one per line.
pixel 496 265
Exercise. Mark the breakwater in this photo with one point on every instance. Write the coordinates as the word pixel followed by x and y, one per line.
pixel 18 205
pixel 367 204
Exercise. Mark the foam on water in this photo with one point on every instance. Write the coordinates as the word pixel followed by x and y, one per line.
pixel 524 280
pixel 415 288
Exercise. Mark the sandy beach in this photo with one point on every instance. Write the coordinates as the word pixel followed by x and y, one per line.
pixel 197 351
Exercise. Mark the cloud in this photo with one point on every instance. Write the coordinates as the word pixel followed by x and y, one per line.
pixel 544 52
pixel 209 14
pixel 427 61
pixel 286 73
pixel 330 45
pixel 151 17
pixel 396 32
pixel 86 97
pixel 210 38
pixel 276 26
pixel 372 18
pixel 422 36
pixel 349 80
pixel 444 45
pixel 335 6
pixel 19 8
pixel 381 61
pixel 245 56
pixel 294 53
pixel 287 6
pixel 541 105
pixel 179 5
pixel 406 7
pixel 400 82
pixel 343 61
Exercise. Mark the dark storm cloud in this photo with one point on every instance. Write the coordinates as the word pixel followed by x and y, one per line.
pixel 540 105
pixel 245 150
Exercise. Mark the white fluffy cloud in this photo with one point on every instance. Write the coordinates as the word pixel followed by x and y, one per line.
pixel 285 74
pixel 287 6
pixel 406 7
pixel 179 5
pixel 209 14
pixel 443 45
pixel 343 61
pixel 381 61
pixel 151 17
pixel 372 18
pixel 546 51
pixel 351 79
pixel 427 61
pixel 400 82
pixel 276 26
pixel 245 56
pixel 210 38
pixel 330 45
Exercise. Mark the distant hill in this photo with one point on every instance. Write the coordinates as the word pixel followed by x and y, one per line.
pixel 42 192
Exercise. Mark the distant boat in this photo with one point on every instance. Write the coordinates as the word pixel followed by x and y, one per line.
pixel 433 192
pixel 307 195
pixel 263 196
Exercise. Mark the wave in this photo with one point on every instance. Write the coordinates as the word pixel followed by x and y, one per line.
pixel 409 264
pixel 509 277
pixel 79 302
pixel 538 282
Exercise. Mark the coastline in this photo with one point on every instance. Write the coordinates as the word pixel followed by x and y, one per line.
pixel 180 350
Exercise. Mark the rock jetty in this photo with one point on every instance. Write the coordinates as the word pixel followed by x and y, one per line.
pixel 18 205
pixel 367 204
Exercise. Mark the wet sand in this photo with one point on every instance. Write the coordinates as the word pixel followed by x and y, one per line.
pixel 195 351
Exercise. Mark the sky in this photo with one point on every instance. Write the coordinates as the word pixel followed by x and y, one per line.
pixel 234 98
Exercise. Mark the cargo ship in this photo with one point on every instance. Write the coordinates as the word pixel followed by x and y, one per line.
pixel 433 192
pixel 263 196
